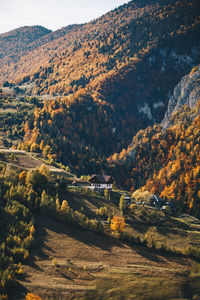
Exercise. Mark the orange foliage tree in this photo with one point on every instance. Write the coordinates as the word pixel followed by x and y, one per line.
pixel 32 297
pixel 118 224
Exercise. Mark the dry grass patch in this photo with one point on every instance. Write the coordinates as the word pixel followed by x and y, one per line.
pixel 122 285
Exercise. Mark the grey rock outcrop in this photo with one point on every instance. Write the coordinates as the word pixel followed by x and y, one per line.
pixel 186 92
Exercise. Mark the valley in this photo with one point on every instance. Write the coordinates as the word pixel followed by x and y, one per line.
pixel 117 96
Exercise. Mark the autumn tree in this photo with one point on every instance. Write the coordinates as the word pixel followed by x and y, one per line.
pixel 36 178
pixel 122 204
pixel 45 170
pixel 106 193
pixel 30 296
pixel 22 176
pixel 117 224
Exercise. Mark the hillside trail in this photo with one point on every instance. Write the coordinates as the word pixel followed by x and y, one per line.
pixel 27 161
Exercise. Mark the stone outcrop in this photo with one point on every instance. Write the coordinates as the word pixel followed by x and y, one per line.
pixel 186 92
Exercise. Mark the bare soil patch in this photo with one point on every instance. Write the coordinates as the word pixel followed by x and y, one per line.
pixel 25 161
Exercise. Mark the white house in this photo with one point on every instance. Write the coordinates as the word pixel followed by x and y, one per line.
pixel 101 182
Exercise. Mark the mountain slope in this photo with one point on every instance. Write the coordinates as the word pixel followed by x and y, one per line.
pixel 65 37
pixel 165 159
pixel 126 62
pixel 91 266
pixel 18 43
pixel 115 75
pixel 20 39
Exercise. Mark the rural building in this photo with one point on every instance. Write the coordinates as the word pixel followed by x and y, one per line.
pixel 80 183
pixel 101 182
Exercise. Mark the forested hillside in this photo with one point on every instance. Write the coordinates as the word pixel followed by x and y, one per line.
pixel 76 133
pixel 17 41
pixel 31 261
pixel 104 81
pixel 117 96
pixel 113 77
pixel 131 58
pixel 165 162
pixel 22 195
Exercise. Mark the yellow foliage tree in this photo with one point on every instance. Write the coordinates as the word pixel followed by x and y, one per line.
pixel 34 148
pixel 32 230
pixel 22 176
pixel 141 196
pixel 57 205
pixel 44 170
pixel 64 206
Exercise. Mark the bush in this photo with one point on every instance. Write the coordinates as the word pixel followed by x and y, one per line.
pixel 102 211
pixel 192 251
pixel 54 262
pixel 141 196
pixel 36 179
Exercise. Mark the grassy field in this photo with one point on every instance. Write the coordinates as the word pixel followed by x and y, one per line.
pixel 173 233
pixel 71 263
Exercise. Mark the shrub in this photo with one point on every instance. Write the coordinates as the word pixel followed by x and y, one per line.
pixel 22 176
pixel 141 196
pixel 192 251
pixel 102 211
pixel 54 262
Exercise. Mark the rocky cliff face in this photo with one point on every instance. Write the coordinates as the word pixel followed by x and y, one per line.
pixel 186 92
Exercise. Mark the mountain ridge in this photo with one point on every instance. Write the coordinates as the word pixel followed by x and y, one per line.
pixel 21 37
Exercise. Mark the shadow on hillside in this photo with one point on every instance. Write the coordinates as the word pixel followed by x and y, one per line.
pixel 175 227
pixel 149 254
pixel 88 203
pixel 160 257
pixel 92 239
pixel 179 224
pixel 84 236
pixel 18 292
pixel 168 231
pixel 38 250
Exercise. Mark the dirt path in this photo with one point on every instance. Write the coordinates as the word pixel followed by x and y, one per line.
pixel 26 161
